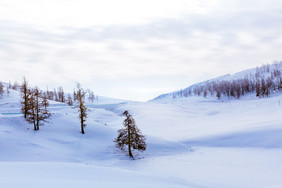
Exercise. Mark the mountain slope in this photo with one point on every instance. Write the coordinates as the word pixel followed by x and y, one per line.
pixel 261 81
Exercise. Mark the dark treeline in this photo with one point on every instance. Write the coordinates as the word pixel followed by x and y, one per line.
pixel 55 95
pixel 266 80
pixel 59 96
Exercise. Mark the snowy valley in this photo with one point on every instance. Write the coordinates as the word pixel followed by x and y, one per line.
pixel 194 141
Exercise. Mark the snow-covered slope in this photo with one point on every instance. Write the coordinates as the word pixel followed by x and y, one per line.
pixel 192 142
pixel 236 85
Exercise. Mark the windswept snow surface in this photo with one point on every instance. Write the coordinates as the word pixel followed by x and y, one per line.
pixel 192 142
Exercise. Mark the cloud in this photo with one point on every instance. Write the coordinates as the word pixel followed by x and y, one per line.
pixel 217 39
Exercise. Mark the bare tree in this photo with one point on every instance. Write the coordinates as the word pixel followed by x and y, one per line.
pixel 1 90
pixel 74 96
pixel 205 93
pixel 10 85
pixel 8 91
pixel 15 86
pixel 50 94
pixel 91 96
pixel 218 94
pixel 263 87
pixel 80 95
pixel 55 96
pixel 61 94
pixel 37 111
pixel 25 94
pixel 258 88
pixel 69 100
pixel 45 102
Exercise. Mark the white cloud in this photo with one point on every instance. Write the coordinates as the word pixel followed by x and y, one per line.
pixel 82 13
pixel 181 42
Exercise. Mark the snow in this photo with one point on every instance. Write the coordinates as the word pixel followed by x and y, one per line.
pixel 77 175
pixel 192 142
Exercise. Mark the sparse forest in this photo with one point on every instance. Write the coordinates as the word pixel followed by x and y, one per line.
pixel 265 81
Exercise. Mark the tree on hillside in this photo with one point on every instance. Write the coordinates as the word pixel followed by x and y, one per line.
pixel 130 135
pixel 218 94
pixel 205 93
pixel 80 95
pixel 1 90
pixel 91 96
pixel 74 96
pixel 69 100
pixel 8 91
pixel 15 86
pixel 45 102
pixel 263 87
pixel 61 95
pixel 50 94
pixel 258 88
pixel 55 96
pixel 24 97
pixel 10 85
pixel 37 109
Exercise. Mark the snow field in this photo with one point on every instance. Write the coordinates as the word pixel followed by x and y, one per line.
pixel 192 142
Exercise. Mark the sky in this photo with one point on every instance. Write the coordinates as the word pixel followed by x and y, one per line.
pixel 135 49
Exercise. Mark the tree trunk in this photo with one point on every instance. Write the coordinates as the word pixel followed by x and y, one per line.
pixel 37 113
pixel 37 120
pixel 81 122
pixel 34 125
pixel 129 142
pixel 25 103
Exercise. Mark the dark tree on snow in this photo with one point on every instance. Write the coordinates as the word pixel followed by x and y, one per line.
pixel 205 93
pixel 8 91
pixel 263 87
pixel 25 94
pixel 15 86
pixel 74 96
pixel 268 86
pixel 45 102
pixel 80 94
pixel 91 96
pixel 218 94
pixel 69 100
pixel 10 85
pixel 37 113
pixel 1 90
pixel 61 94
pixel 50 94
pixel 258 90
pixel 130 136
pixel 55 96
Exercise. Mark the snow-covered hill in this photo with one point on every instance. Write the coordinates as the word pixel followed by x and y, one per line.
pixel 260 81
pixel 192 142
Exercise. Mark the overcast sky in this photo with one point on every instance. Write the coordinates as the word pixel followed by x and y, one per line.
pixel 135 49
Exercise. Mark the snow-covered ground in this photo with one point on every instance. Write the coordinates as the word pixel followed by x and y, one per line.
pixel 192 142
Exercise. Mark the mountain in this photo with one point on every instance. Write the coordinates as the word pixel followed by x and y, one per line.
pixel 261 82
